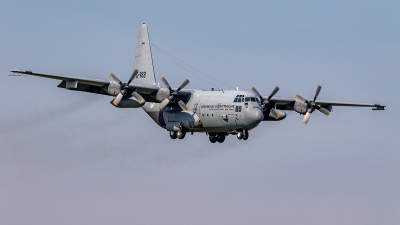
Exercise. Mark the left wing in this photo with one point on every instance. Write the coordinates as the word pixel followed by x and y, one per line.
pixel 272 106
pixel 285 103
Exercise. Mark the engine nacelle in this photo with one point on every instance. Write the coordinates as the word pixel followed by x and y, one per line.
pixel 131 102
pixel 113 88
pixel 300 107
pixel 162 94
pixel 274 115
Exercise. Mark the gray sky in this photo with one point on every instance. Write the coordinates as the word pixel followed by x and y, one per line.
pixel 72 158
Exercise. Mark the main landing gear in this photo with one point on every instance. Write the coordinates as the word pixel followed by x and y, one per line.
pixel 214 137
pixel 177 134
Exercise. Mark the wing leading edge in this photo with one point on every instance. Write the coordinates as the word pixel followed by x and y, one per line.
pixel 284 103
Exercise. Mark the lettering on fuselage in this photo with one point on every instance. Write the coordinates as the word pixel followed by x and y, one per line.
pixel 219 107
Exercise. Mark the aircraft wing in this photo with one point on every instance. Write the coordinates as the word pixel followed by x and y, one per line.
pixel 285 103
pixel 91 85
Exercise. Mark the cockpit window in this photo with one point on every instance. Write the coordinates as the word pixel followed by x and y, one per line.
pixel 241 98
pixel 253 99
pixel 257 100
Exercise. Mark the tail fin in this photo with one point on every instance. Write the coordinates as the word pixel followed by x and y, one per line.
pixel 143 59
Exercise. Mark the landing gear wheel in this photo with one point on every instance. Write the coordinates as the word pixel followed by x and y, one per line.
pixel 213 139
pixel 245 135
pixel 221 137
pixel 172 135
pixel 181 134
pixel 240 135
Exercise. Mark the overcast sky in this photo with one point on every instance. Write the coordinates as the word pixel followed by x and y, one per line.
pixel 72 158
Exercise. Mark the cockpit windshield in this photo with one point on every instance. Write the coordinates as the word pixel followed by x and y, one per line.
pixel 241 98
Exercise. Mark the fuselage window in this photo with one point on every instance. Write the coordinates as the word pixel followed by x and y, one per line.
pixel 247 99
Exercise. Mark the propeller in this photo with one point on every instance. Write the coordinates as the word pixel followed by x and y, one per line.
pixel 312 105
pixel 264 102
pixel 173 96
pixel 125 88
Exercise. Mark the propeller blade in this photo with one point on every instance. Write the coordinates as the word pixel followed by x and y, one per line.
pixel 138 97
pixel 324 111
pixel 135 72
pixel 317 92
pixel 306 118
pixel 186 82
pixel 273 92
pixel 300 98
pixel 165 82
pixel 182 105
pixel 164 103
pixel 117 99
pixel 256 92
pixel 115 78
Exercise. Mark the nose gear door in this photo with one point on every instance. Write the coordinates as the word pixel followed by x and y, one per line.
pixel 238 114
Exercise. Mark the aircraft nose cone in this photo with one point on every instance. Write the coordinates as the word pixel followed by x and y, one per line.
pixel 254 116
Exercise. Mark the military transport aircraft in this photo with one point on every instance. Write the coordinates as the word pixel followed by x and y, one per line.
pixel 218 113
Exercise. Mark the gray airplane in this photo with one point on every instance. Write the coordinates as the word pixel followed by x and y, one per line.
pixel 218 113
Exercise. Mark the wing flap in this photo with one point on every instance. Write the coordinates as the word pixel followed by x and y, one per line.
pixel 84 88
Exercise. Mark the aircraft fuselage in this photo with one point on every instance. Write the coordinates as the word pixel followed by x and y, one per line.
pixel 210 111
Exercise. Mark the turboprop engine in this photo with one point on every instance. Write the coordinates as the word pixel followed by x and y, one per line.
pixel 125 96
pixel 306 107
pixel 269 107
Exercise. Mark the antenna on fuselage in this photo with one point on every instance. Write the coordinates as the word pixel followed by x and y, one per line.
pixel 237 88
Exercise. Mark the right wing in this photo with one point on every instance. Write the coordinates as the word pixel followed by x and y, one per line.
pixel 91 85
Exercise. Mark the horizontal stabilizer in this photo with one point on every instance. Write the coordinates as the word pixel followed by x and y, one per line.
pixel 379 107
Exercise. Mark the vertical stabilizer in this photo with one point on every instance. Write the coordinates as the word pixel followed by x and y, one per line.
pixel 143 59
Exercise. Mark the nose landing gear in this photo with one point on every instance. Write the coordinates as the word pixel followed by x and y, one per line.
pixel 242 135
